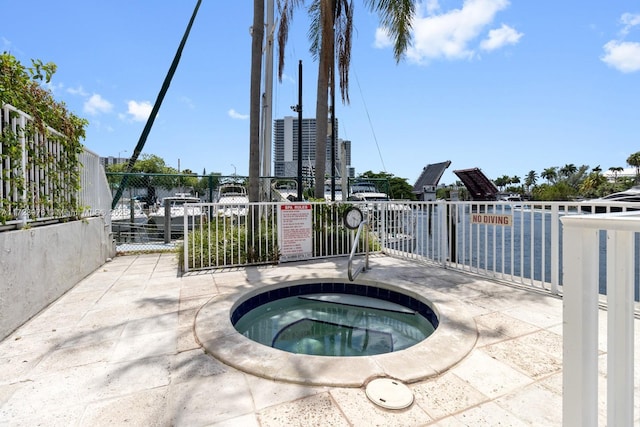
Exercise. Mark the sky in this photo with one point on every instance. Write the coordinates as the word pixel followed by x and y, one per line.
pixel 504 86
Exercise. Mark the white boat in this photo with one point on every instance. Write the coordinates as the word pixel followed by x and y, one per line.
pixel 367 192
pixel 233 200
pixel 393 223
pixel 177 212
pixel 603 204
pixel 337 192
pixel 124 219
pixel 285 191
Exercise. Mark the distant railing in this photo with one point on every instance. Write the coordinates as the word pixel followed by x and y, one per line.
pixel 94 196
pixel 230 235
pixel 582 252
pixel 38 182
pixel 516 242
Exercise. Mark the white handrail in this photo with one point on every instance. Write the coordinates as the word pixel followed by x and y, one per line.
pixel 365 266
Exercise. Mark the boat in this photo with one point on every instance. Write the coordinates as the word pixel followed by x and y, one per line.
pixel 604 204
pixel 233 200
pixel 337 190
pixel 366 192
pixel 177 211
pixel 128 217
pixel 392 223
pixel 285 191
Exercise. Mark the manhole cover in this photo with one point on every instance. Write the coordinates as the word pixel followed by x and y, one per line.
pixel 388 393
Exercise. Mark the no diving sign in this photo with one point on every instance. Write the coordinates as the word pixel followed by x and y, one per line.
pixel 492 219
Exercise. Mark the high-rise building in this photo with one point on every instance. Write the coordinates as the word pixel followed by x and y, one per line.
pixel 285 148
pixel 108 161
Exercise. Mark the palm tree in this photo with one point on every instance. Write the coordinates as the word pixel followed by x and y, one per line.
pixel 550 174
pixel 634 160
pixel 330 35
pixel 530 180
pixel 568 169
pixel 616 170
pixel 501 182
pixel 257 35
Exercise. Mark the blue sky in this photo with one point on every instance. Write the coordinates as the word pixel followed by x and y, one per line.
pixel 506 86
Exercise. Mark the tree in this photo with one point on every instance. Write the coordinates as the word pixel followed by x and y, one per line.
pixel 550 174
pixel 634 160
pixel 616 170
pixel 330 35
pixel 396 187
pixel 531 180
pixel 257 36
pixel 162 175
pixel 502 181
pixel 568 170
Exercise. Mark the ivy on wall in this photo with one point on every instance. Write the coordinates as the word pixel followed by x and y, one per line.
pixel 53 163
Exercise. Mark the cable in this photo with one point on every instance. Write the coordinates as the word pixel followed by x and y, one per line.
pixel 384 168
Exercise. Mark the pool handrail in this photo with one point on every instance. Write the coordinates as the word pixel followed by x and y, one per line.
pixel 363 267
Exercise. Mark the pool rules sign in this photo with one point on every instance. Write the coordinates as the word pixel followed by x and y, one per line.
pixel 294 231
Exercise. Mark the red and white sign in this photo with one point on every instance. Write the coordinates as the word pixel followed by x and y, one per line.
pixel 294 231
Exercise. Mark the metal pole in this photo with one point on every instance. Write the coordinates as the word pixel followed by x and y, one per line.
pixel 299 109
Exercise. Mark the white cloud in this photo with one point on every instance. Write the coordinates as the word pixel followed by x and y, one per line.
pixel 450 34
pixel 235 115
pixel 623 56
pixel 382 39
pixel 96 105
pixel 432 6
pixel 139 111
pixel 629 20
pixel 500 37
pixel 77 91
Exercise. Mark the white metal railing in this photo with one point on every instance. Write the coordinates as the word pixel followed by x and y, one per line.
pixel 581 253
pixel 219 235
pixel 34 187
pixel 94 196
pixel 525 247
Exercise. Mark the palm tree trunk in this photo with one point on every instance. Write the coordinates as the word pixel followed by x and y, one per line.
pixel 322 100
pixel 257 36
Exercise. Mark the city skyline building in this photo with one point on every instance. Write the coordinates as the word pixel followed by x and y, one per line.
pixel 285 148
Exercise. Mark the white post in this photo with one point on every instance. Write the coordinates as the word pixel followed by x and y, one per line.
pixel 620 328
pixel 555 249
pixel 580 327
pixel 444 233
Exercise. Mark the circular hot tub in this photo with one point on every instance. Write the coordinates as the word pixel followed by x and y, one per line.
pixel 452 337
pixel 335 319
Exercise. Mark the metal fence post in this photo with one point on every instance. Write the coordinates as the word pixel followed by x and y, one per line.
pixel 167 221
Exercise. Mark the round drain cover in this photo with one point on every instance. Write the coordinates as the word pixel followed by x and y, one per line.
pixel 388 393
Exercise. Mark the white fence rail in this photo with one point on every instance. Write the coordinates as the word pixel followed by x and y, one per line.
pixel 36 183
pixel 520 243
pixel 219 235
pixel 581 253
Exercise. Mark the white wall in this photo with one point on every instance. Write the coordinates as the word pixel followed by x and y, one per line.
pixel 40 264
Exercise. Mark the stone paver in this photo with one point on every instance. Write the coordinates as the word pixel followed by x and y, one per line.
pixel 122 348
